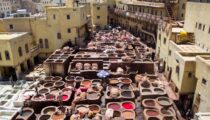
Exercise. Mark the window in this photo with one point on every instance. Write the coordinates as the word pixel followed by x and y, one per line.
pixel 203 27
pixel 209 29
pixel 159 36
pixel 20 51
pixel 196 25
pixel 204 81
pixel 0 57
pixel 11 26
pixel 69 30
pixel 54 17
pixel 183 6
pixel 41 43
pixel 98 17
pixel 190 74
pixel 46 43
pixel 59 35
pixel 200 25
pixel 169 52
pixel 7 56
pixel 26 48
pixel 182 15
pixel 68 17
pixel 98 8
pixel 177 69
pixel 164 41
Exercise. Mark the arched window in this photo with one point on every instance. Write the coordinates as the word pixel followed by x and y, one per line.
pixel 46 43
pixel 20 51
pixel 26 48
pixel 41 43
pixel 7 56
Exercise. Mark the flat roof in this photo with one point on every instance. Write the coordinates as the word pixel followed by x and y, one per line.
pixel 177 30
pixel 190 48
pixel 11 35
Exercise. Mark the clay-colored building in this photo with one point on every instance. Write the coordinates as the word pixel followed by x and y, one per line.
pixel 142 17
pixel 202 92
pixel 17 53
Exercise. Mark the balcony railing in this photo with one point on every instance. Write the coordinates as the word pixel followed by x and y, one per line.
pixel 140 15
pixel 34 48
pixel 144 3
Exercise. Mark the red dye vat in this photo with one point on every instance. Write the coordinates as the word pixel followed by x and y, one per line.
pixel 128 105
pixel 64 97
pixel 114 106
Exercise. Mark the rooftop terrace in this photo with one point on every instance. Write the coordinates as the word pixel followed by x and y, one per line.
pixel 11 35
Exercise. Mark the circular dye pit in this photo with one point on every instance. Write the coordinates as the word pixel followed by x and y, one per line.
pixel 38 97
pixel 59 84
pixel 128 106
pixel 83 109
pixel 125 87
pixel 146 91
pixel 44 117
pixel 48 78
pixel 114 106
pixel 78 78
pixel 87 66
pixel 43 91
pixel 152 113
pixel 86 83
pixel 50 97
pixel 117 114
pixel 145 84
pixel 127 94
pixel 70 78
pixel 166 111
pixel 153 118
pixel 159 90
pixel 154 84
pixel 94 108
pixel 128 114
pixel 49 110
pixel 92 95
pixel 114 81
pixel 149 103
pixel 126 81
pixel 66 90
pixel 58 117
pixel 65 97
pixel 26 113
pixel 164 101
pixel 62 109
pixel 48 85
pixel 57 78
pixel 169 118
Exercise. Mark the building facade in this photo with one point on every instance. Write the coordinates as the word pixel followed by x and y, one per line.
pixel 5 8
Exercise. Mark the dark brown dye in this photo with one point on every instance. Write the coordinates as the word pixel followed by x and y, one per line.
pixel 153 118
pixel 117 114
pixel 44 117
pixel 145 84
pixel 169 118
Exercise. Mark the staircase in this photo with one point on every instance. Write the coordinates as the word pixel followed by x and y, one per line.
pixel 169 10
